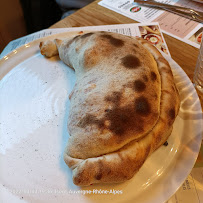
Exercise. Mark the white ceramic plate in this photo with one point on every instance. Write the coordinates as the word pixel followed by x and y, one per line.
pixel 33 128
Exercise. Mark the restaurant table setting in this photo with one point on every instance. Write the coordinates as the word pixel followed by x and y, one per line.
pixel 34 100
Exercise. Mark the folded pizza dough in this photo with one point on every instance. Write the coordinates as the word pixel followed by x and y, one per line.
pixel 122 107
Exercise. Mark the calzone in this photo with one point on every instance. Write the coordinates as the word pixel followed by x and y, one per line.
pixel 122 107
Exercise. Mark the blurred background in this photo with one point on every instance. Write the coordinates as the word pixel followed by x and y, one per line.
pixel 21 17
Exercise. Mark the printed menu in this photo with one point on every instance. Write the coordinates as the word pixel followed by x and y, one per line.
pixel 172 24
pixel 150 31
pixel 191 190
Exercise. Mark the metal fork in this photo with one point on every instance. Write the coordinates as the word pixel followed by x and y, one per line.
pixel 183 11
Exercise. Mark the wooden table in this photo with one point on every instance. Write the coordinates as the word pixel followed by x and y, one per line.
pixel 94 14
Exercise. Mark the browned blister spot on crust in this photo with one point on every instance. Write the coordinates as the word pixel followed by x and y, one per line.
pixel 123 119
pixel 114 41
pixel 142 106
pixel 172 113
pixel 139 86
pixel 153 76
pixel 81 177
pixel 99 175
pixel 157 138
pixel 91 58
pixel 130 61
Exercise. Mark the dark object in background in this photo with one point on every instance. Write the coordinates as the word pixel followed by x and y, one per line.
pixel 165 143
pixel 40 14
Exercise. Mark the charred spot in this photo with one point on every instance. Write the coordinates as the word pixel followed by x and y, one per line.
pixel 114 98
pixel 153 76
pixel 130 61
pixel 98 176
pixel 165 143
pixel 86 35
pixel 123 119
pixel 77 180
pixel 142 106
pixel 139 86
pixel 172 113
pixel 118 130
pixel 114 41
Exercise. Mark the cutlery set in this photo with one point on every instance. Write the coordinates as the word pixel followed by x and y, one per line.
pixel 189 13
